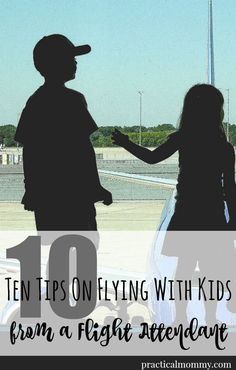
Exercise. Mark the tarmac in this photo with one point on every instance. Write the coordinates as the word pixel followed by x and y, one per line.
pixel 122 216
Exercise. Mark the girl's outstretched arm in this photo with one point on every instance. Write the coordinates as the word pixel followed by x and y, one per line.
pixel 162 152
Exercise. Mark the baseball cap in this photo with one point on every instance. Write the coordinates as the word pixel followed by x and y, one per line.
pixel 56 46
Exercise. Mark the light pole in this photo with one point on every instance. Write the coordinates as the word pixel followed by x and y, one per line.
pixel 140 116
pixel 210 51
pixel 227 127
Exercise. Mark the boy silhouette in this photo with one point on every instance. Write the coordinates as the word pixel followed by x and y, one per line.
pixel 60 170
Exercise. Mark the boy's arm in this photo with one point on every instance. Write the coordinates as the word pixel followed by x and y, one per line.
pixel 104 195
pixel 91 125
pixel 23 136
pixel 101 194
pixel 20 130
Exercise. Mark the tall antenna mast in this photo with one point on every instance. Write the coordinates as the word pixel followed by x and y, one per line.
pixel 211 67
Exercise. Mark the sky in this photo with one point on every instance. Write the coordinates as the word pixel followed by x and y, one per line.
pixel 155 46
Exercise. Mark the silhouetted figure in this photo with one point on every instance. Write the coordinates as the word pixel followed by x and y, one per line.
pixel 61 177
pixel 206 178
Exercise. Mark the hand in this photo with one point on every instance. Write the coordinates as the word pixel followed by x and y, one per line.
pixel 119 139
pixel 106 197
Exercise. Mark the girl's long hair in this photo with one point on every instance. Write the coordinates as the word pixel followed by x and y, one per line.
pixel 202 114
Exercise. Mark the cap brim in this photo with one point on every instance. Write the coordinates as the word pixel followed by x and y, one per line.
pixel 82 49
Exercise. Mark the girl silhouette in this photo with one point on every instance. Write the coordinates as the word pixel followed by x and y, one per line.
pixel 205 179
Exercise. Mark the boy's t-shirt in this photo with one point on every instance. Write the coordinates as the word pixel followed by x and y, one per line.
pixel 58 157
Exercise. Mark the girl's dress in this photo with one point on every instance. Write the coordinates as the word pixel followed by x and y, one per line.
pixel 200 187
